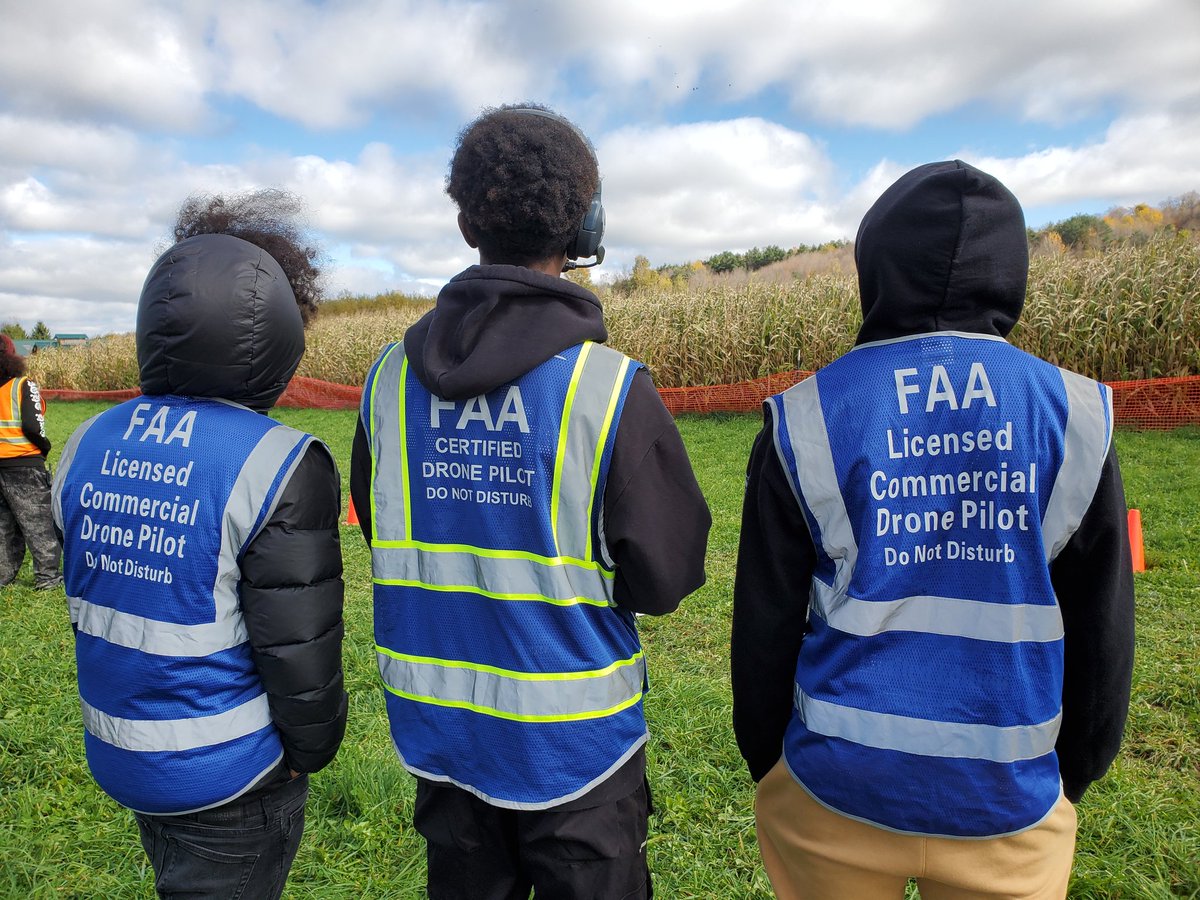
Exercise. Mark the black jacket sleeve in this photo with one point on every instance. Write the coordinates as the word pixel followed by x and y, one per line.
pixel 1093 580
pixel 360 480
pixel 33 422
pixel 775 564
pixel 292 595
pixel 656 520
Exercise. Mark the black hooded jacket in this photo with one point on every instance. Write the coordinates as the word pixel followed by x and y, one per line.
pixel 218 319
pixel 943 249
pixel 494 323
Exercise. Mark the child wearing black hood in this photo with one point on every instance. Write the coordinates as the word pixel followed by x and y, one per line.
pixel 933 608
pixel 202 561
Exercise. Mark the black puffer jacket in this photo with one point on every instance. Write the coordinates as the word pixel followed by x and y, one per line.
pixel 218 319
pixel 944 249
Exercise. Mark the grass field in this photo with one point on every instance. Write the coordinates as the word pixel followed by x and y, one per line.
pixel 1139 837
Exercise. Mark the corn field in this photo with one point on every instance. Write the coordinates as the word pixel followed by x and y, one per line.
pixel 1128 313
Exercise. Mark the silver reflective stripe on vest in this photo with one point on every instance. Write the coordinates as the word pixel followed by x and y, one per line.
pixel 14 408
pixel 817 473
pixel 587 415
pixel 389 516
pixel 1085 446
pixel 1005 623
pixel 241 518
pixel 153 636
pixel 521 696
pixel 925 737
pixel 507 577
pixel 65 459
pixel 149 735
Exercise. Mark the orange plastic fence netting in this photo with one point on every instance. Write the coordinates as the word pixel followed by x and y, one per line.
pixel 1160 403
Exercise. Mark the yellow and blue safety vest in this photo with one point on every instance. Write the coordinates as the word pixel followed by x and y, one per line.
pixel 508 671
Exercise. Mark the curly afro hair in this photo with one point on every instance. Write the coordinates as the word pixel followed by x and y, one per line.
pixel 523 183
pixel 269 220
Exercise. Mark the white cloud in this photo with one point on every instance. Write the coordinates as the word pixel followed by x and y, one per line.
pixel 685 192
pixel 71 283
pixel 1142 159
pixel 880 64
pixel 332 65
pixel 134 61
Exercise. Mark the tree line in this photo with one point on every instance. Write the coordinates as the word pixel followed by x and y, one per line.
pixel 39 332
pixel 1079 233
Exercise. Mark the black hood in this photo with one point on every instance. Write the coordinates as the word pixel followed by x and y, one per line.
pixel 217 318
pixel 494 323
pixel 944 249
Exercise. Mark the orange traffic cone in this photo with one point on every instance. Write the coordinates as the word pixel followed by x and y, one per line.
pixel 351 514
pixel 1136 548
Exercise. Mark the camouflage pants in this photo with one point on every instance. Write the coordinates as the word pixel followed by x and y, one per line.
pixel 25 519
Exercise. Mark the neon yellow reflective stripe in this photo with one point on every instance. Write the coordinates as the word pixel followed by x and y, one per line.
pixel 516 717
pixel 512 673
pixel 488 553
pixel 522 696
pixel 556 491
pixel 404 449
pixel 374 455
pixel 603 439
pixel 495 595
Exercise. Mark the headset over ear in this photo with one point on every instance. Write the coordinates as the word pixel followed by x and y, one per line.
pixel 591 229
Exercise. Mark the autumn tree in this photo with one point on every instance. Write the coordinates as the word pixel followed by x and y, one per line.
pixel 1183 212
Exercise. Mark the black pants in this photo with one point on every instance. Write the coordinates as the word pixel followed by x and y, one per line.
pixel 243 849
pixel 481 852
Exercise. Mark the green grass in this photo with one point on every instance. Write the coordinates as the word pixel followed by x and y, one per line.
pixel 1138 838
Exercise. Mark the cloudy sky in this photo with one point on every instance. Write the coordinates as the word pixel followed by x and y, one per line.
pixel 718 125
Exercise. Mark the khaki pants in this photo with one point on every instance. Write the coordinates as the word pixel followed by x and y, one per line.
pixel 812 853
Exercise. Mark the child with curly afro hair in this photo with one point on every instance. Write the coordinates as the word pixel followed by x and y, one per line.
pixel 529 463
pixel 523 179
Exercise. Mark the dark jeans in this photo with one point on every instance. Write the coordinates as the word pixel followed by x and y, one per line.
pixel 481 852
pixel 243 849
pixel 25 518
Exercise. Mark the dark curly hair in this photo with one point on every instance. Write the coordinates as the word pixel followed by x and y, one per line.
pixel 268 219
pixel 523 183
pixel 11 366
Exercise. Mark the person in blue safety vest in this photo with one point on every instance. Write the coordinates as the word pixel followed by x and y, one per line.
pixel 933 608
pixel 202 561
pixel 524 493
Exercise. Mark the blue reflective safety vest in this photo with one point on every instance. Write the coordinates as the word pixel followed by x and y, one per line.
pixel 939 474
pixel 157 499
pixel 507 669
